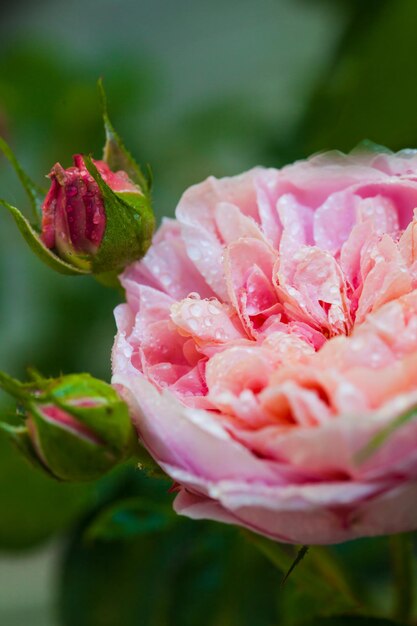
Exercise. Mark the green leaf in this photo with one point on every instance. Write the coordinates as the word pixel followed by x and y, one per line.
pixel 116 155
pixel 35 192
pixel 186 574
pixel 37 246
pixel 317 577
pixel 402 558
pixel 129 518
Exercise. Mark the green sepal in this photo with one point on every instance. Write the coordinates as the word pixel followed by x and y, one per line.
pixel 38 247
pixel 300 555
pixel 34 191
pixel 129 226
pixel 115 431
pixel 145 462
pixel 110 279
pixel 19 435
pixel 13 387
pixel 116 155
pixel 70 457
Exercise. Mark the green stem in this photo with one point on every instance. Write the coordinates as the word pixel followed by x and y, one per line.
pixel 401 549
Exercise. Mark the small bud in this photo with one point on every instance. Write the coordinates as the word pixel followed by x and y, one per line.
pixel 74 212
pixel 96 217
pixel 75 427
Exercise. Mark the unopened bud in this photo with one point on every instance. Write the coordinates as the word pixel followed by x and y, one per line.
pixel 96 217
pixel 75 427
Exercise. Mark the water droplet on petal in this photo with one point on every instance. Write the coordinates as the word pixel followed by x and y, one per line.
pixel 213 309
pixel 194 253
pixel 193 324
pixel 195 309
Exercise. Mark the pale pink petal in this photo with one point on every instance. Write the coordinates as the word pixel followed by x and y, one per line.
pixel 232 224
pixel 196 216
pixel 248 263
pixel 167 267
pixel 208 321
pixel 187 438
pixel 311 285
pixel 296 219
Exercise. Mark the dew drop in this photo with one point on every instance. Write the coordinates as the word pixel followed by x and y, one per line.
pixel 194 253
pixel 193 324
pixel 166 280
pixel 195 309
pixel 213 309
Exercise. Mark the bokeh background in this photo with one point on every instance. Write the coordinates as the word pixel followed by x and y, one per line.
pixel 195 88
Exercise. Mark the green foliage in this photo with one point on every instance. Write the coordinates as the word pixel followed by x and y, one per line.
pixel 369 90
pixel 34 507
pixel 350 620
pixel 182 575
pixel 130 517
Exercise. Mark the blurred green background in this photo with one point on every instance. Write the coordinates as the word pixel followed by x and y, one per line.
pixel 195 88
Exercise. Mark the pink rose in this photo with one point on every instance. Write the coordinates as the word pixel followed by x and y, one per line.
pixel 269 334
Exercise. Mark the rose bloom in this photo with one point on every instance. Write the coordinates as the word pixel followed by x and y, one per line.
pixel 269 334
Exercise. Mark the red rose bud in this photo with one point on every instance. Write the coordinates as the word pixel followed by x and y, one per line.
pixel 74 215
pixel 76 427
pixel 97 215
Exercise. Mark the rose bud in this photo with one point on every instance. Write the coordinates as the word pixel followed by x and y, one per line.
pixel 96 217
pixel 74 215
pixel 76 427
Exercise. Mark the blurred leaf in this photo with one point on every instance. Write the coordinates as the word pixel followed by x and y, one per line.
pixel 192 573
pixel 169 570
pixel 34 507
pixel 402 558
pixel 327 592
pixel 130 517
pixel 182 574
pixel 350 620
